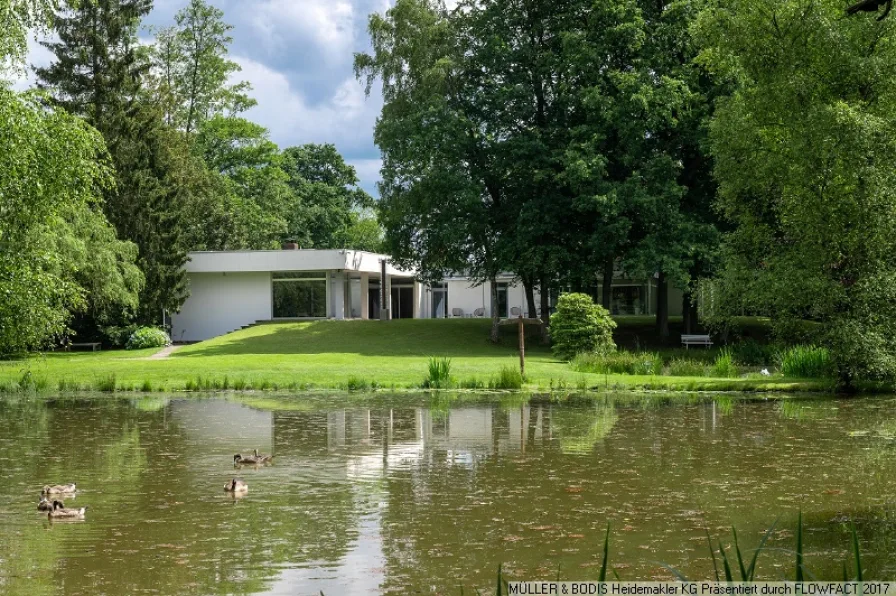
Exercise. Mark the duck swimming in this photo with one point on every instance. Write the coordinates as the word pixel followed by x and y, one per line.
pixel 59 489
pixel 256 459
pixel 236 485
pixel 60 512
pixel 44 505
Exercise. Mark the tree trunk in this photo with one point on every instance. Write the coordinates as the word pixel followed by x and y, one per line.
pixel 689 312
pixel 662 306
pixel 607 288
pixel 496 317
pixel 529 285
pixel 544 291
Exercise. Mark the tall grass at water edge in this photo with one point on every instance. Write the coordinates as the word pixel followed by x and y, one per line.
pixel 439 376
pixel 621 362
pixel 806 362
pixel 724 365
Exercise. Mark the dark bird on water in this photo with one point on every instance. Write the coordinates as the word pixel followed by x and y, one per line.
pixel 871 6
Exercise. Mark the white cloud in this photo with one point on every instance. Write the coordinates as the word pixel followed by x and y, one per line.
pixel 37 55
pixel 328 24
pixel 345 118
pixel 368 169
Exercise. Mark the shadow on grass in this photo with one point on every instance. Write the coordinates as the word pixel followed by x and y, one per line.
pixel 412 337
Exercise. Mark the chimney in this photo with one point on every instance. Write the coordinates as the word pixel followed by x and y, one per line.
pixel 290 246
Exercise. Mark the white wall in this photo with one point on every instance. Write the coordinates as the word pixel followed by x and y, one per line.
pixel 220 303
pixel 468 298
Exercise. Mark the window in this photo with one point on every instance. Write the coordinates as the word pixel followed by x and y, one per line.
pixel 300 294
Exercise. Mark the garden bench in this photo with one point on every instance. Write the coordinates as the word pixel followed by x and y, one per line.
pixel 93 345
pixel 695 340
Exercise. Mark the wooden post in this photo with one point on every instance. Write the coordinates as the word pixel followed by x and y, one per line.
pixel 522 347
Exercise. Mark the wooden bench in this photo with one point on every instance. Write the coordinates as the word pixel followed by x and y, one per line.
pixel 695 340
pixel 93 345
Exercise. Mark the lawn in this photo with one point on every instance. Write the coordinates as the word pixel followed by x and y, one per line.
pixel 336 354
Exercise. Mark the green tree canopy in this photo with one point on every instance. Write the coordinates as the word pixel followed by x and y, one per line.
pixel 58 255
pixel 803 151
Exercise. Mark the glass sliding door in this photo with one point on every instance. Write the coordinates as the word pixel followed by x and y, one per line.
pixel 300 294
pixel 439 301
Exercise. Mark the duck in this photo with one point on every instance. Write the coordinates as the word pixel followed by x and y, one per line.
pixel 236 485
pixel 60 512
pixel 263 459
pixel 59 489
pixel 44 505
pixel 256 459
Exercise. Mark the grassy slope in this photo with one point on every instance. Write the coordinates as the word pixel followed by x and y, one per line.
pixel 327 353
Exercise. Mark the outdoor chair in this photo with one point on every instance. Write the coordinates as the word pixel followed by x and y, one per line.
pixel 479 312
pixel 457 312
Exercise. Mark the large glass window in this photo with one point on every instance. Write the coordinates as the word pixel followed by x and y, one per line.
pixel 300 294
pixel 628 300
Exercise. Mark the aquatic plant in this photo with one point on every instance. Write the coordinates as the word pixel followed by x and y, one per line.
pixel 724 365
pixel 439 373
pixel 807 362
pixel 621 362
pixel 508 377
pixel 683 367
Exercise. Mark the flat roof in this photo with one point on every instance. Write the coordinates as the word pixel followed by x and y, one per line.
pixel 249 261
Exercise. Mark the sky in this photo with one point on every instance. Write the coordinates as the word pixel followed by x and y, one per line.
pixel 297 54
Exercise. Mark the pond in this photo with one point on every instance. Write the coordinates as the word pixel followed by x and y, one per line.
pixel 425 494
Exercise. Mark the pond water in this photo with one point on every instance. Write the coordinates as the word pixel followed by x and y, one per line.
pixel 412 494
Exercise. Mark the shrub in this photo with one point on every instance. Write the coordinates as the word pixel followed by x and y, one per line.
pixel 439 373
pixel 508 377
pixel 724 365
pixel 622 363
pixel 580 326
pixel 806 362
pixel 682 367
pixel 751 353
pixel 118 336
pixel 148 337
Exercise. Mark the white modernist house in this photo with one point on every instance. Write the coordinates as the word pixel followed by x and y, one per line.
pixel 232 289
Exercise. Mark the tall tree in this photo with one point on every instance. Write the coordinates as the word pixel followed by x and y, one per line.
pixel 192 69
pixel 255 200
pixel 98 74
pixel 444 196
pixel 803 155
pixel 58 255
pixel 328 198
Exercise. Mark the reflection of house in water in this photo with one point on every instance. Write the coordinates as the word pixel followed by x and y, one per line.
pixel 374 441
pixel 213 422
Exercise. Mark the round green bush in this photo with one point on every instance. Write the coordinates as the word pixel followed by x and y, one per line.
pixel 148 337
pixel 580 325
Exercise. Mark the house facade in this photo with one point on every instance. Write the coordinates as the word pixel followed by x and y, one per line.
pixel 232 289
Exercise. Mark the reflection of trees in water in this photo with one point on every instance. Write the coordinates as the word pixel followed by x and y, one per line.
pixel 580 429
pixel 158 517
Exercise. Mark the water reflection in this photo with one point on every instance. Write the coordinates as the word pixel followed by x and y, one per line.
pixel 417 495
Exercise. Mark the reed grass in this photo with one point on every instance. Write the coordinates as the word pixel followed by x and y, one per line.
pixel 107 384
pixel 508 377
pixel 683 367
pixel 724 365
pixel 439 376
pixel 621 362
pixel 806 362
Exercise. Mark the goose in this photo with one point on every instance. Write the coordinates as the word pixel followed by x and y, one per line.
pixel 236 485
pixel 60 512
pixel 59 489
